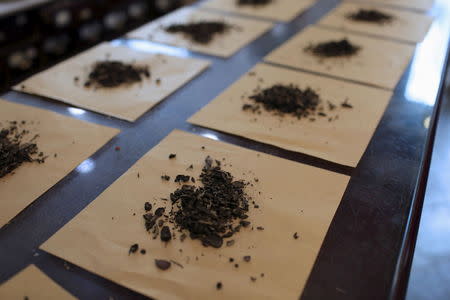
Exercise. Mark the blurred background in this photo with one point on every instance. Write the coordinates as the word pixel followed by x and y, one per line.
pixel 35 34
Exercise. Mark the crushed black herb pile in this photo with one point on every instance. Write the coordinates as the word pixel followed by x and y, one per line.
pixel 212 212
pixel 371 16
pixel 288 99
pixel 339 48
pixel 109 74
pixel 253 2
pixel 15 149
pixel 201 32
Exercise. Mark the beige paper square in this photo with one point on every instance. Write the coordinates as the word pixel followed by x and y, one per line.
pixel 128 102
pixel 343 140
pixel 31 283
pixel 379 62
pixel 405 26
pixel 72 140
pixel 223 45
pixel 294 198
pixel 415 4
pixel 277 10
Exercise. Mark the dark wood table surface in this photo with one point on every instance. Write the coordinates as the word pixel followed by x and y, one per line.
pixel 368 249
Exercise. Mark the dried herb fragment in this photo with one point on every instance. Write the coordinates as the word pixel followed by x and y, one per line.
pixel 247 258
pixel 16 150
pixel 230 243
pixel 162 264
pixel 219 285
pixel 295 235
pixel 177 263
pixel 143 251
pixel 332 48
pixel 371 16
pixel 133 249
pixel 109 74
pixel 171 156
pixel 345 104
pixel 165 177
pixel 253 2
pixel 201 32
pixel 182 178
pixel 252 278
pixel 165 234
pixel 147 206
pixel 160 211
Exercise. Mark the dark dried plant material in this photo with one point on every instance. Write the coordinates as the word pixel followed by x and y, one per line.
pixel 371 16
pixel 213 211
pixel 165 177
pixel 285 99
pixel 165 234
pixel 162 264
pixel 333 48
pixel 295 235
pixel 15 149
pixel 201 32
pixel 260 228
pixel 210 213
pixel 182 178
pixel 253 2
pixel 147 206
pixel 143 251
pixel 133 249
pixel 247 258
pixel 177 263
pixel 252 278
pixel 219 285
pixel 110 74
pixel 172 156
pixel 345 104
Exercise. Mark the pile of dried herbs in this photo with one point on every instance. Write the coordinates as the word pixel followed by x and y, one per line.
pixel 253 2
pixel 201 32
pixel 109 74
pixel 14 150
pixel 370 15
pixel 285 99
pixel 333 49
pixel 212 212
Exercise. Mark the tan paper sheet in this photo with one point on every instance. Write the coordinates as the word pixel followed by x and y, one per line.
pixel 422 5
pixel 342 141
pixel 72 140
pixel 405 26
pixel 128 102
pixel 278 10
pixel 33 284
pixel 294 198
pixel 223 45
pixel 379 62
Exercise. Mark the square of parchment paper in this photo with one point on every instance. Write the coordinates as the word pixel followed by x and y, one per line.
pixel 342 140
pixel 123 102
pixel 31 283
pixel 405 26
pixel 422 5
pixel 243 32
pixel 292 197
pixel 277 10
pixel 71 140
pixel 378 62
